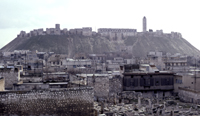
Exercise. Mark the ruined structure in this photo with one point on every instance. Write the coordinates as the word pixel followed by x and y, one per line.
pixel 11 76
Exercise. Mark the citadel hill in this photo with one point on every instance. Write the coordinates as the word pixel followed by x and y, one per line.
pixel 111 33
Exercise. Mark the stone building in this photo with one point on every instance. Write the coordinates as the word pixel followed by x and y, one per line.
pixel 116 34
pixel 58 26
pixel 22 34
pixel 40 32
pixel 87 31
pixel 11 76
pixel 149 83
pixel 144 24
pixel 156 57
pixel 99 82
pixel 65 31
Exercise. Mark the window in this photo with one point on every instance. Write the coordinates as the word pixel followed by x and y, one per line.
pixel 157 83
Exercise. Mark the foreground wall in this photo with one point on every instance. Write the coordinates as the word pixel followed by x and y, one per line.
pixel 70 102
pixel 189 95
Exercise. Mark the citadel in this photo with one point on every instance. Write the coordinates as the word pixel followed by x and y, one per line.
pixel 111 33
pixel 107 83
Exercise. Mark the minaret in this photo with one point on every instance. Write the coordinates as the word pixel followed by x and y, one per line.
pixel 144 24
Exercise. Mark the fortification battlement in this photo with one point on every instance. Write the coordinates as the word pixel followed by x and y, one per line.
pixel 112 33
pixel 86 31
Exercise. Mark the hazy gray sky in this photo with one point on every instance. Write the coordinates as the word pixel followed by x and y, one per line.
pixel 169 15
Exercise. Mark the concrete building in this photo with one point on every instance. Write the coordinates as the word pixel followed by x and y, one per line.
pixel 71 63
pixel 176 62
pixel 98 58
pixel 156 58
pixel 187 80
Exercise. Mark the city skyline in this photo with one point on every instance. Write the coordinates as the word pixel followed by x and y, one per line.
pixel 168 16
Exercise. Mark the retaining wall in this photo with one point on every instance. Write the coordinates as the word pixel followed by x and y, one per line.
pixel 70 102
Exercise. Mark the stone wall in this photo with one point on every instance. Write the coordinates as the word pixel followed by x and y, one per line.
pixel 11 77
pixel 87 31
pixel 100 84
pixel 116 34
pixel 115 85
pixel 2 84
pixel 70 102
pixel 189 95
pixel 31 79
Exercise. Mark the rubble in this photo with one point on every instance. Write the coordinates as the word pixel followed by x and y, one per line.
pixel 154 107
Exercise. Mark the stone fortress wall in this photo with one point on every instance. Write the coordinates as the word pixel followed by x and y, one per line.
pixel 116 34
pixel 70 102
pixel 85 31
pixel 111 33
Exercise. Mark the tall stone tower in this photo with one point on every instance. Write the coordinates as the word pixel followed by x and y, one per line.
pixel 144 24
pixel 57 26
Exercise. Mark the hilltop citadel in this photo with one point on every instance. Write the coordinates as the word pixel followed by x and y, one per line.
pixel 79 72
pixel 111 33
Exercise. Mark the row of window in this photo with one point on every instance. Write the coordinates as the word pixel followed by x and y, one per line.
pixel 176 64
pixel 57 63
pixel 88 66
pixel 135 82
